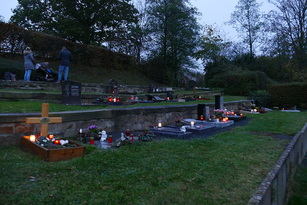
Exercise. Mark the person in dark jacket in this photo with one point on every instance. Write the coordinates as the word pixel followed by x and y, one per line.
pixel 29 63
pixel 65 57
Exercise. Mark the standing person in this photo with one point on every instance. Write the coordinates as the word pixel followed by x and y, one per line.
pixel 29 63
pixel 65 57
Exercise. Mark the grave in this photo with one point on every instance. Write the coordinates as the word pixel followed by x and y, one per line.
pixel 71 92
pixel 112 85
pixel 171 132
pixel 50 155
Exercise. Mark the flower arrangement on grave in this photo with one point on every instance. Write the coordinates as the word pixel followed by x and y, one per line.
pixel 219 113
pixel 93 130
pixel 146 136
pixel 53 143
pixel 102 99
pixel 178 120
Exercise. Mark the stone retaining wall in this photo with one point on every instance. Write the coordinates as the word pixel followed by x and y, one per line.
pixel 12 126
pixel 275 187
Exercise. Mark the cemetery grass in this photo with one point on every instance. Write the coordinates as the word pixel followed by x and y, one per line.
pixel 31 106
pixel 226 168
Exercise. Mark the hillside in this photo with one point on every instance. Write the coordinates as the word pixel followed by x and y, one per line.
pixel 79 73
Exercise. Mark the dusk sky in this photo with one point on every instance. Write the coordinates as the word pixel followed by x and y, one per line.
pixel 213 12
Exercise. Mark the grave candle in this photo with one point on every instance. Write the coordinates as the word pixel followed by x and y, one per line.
pixel 241 115
pixel 201 118
pixel 159 123
pixel 32 138
pixel 224 119
pixel 227 113
pixel 192 123
pixel 110 99
pixel 56 142
pixel 110 139
pixel 92 141
pixel 167 98
pixel 128 132
pixel 131 137
pixel 50 137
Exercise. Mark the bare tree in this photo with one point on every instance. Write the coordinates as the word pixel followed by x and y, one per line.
pixel 247 20
pixel 291 22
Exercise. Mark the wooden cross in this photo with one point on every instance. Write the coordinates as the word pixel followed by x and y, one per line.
pixel 44 120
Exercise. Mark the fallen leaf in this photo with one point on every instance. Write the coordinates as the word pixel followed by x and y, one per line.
pixel 184 188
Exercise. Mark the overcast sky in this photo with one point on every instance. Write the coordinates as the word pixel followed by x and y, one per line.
pixel 213 12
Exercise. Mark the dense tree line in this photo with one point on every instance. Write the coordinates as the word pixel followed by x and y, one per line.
pixel 165 37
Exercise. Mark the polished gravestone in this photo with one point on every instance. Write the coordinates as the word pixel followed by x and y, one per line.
pixel 171 132
pixel 207 123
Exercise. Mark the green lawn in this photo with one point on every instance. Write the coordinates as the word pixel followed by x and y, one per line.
pixel 226 168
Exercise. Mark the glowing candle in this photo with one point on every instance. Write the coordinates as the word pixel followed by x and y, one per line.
pixel 201 118
pixel 32 138
pixel 192 123
pixel 159 123
pixel 56 142
pixel 131 137
pixel 241 115
pixel 50 137
pixel 224 119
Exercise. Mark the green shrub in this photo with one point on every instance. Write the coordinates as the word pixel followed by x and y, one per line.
pixel 261 97
pixel 288 95
pixel 244 82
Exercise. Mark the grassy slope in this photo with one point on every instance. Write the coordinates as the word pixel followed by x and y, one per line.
pixel 224 169
pixel 83 74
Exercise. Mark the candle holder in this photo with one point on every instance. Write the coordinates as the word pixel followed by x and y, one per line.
pixel 127 132
pixel 91 140
pixel 110 140
pixel 32 138
pixel 201 118
pixel 131 137
pixel 159 123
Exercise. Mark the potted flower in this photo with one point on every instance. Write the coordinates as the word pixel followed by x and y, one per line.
pixel 178 120
pixel 219 113
pixel 146 136
pixel 93 130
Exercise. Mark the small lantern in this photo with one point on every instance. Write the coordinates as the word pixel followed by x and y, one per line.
pixel 117 99
pixel 80 131
pixel 241 115
pixel 110 139
pixel 192 123
pixel 127 132
pixel 92 141
pixel 32 138
pixel 132 97
pixel 56 142
pixel 167 98
pixel 110 99
pixel 131 137
pixel 227 113
pixel 114 99
pixel 160 124
pixel 224 119
pixel 201 118
pixel 232 113
pixel 50 137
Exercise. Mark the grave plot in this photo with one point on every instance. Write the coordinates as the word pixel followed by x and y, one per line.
pixel 56 151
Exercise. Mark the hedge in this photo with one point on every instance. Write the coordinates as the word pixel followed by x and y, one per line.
pixel 288 95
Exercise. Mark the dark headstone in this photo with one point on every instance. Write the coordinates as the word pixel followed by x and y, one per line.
pixel 152 88
pixel 113 85
pixel 71 92
pixel 200 110
pixel 217 102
